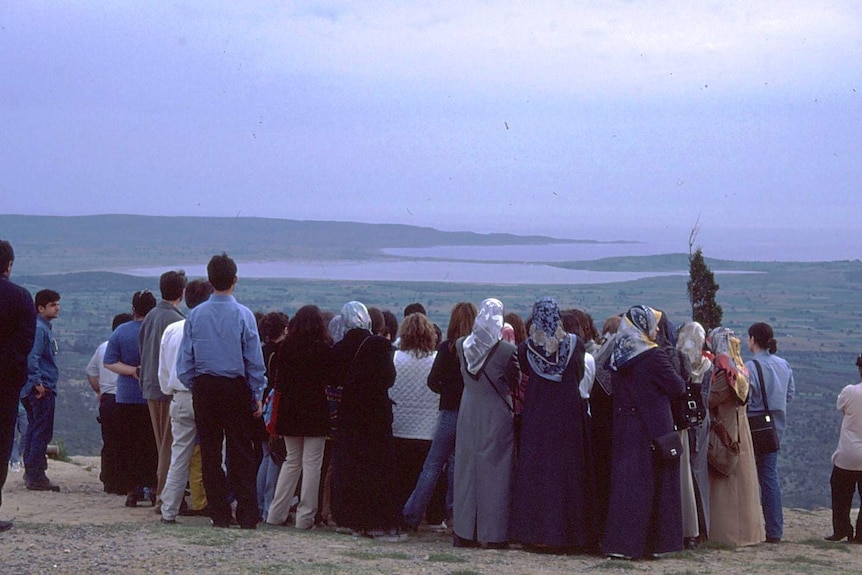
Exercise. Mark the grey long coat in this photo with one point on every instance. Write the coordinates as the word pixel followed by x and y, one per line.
pixel 485 447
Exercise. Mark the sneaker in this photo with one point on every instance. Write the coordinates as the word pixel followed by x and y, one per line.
pixel 15 466
pixel 5 526
pixel 164 521
pixel 441 528
pixel 391 537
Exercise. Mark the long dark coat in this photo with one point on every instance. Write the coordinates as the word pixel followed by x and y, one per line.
pixel 553 480
pixel 364 472
pixel 304 369
pixel 645 509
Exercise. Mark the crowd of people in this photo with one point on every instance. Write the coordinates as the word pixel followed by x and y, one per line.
pixel 632 441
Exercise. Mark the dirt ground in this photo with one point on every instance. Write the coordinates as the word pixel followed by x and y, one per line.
pixel 83 530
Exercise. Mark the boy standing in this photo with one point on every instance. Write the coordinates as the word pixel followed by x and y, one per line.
pixel 39 393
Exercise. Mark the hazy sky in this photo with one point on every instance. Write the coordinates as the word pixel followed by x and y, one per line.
pixel 527 117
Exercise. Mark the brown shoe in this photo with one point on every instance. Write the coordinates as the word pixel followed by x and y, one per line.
pixel 44 485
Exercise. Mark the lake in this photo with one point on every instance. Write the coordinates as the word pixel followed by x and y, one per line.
pixel 527 264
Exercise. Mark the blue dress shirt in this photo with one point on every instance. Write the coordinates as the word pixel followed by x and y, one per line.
pixel 220 338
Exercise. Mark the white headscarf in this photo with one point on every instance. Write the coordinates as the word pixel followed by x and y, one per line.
pixel 354 314
pixel 487 331
pixel 690 341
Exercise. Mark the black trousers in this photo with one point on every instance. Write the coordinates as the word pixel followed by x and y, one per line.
pixel 844 483
pixel 112 445
pixel 224 412
pixel 8 419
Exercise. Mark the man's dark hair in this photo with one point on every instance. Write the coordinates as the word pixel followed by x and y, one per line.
pixel 172 284
pixel 197 292
pixel 46 296
pixel 120 319
pixel 221 272
pixel 7 255
pixel 414 308
pixel 142 302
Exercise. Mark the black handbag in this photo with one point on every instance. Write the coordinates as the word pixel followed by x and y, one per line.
pixel 667 447
pixel 764 436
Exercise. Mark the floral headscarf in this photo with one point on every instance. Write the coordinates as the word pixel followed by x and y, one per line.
pixel 354 315
pixel 726 347
pixel 549 347
pixel 487 331
pixel 637 333
pixel 690 341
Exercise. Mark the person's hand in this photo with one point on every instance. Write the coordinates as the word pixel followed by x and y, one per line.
pixel 40 391
pixel 259 408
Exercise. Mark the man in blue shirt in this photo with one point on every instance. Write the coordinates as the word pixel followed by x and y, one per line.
pixel 220 360
pixel 39 393
pixel 17 331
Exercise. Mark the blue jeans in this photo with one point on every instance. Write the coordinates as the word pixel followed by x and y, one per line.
pixel 267 478
pixel 20 432
pixel 442 451
pixel 770 494
pixel 40 429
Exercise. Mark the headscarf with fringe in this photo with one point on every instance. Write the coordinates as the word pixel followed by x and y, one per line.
pixel 726 347
pixel 636 335
pixel 549 347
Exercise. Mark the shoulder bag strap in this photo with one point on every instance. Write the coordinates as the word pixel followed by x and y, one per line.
pixel 762 385
pixel 482 371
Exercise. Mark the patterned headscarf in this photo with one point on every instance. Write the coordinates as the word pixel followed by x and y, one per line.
pixel 726 347
pixel 690 341
pixel 549 346
pixel 336 329
pixel 487 331
pixel 636 335
pixel 354 314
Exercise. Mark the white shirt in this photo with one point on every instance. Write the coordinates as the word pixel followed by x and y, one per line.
pixel 849 453
pixel 96 368
pixel 586 385
pixel 169 349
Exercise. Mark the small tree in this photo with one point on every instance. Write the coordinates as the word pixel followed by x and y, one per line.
pixel 702 287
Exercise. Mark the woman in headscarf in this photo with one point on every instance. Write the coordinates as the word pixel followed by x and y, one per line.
pixel 484 445
pixel 601 422
pixel 644 515
pixel 553 481
pixel 734 500
pixel 690 341
pixel 364 472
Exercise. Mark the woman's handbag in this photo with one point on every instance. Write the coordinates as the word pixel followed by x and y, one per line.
pixel 667 447
pixel 764 436
pixel 270 410
pixel 722 453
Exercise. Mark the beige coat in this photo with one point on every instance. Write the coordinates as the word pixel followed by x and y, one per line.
pixel 735 514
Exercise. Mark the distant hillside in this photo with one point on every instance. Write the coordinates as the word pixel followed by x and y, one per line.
pixel 52 244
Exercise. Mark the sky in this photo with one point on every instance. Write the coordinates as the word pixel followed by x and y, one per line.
pixel 558 118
